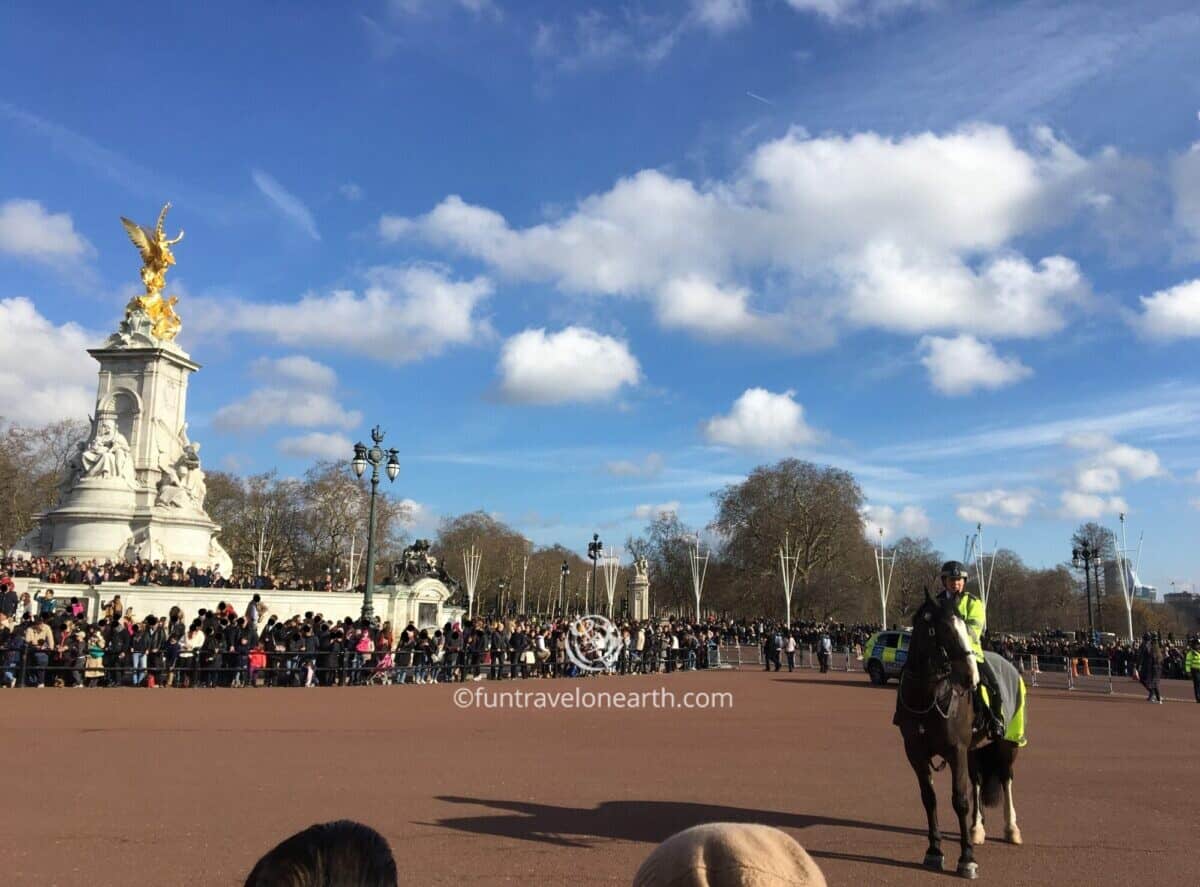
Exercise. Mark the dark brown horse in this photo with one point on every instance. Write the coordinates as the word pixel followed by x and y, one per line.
pixel 936 717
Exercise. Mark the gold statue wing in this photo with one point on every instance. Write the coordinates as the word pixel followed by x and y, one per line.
pixel 142 239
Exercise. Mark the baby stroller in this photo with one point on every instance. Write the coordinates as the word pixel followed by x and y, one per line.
pixel 383 673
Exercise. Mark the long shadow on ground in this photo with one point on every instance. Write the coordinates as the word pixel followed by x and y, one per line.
pixel 648 821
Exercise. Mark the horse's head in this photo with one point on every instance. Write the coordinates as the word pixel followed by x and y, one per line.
pixel 940 640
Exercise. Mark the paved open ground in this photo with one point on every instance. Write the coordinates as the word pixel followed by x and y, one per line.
pixel 190 787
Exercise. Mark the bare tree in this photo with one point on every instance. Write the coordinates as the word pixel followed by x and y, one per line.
pixel 818 506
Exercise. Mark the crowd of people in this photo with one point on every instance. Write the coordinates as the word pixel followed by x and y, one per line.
pixel 1122 655
pixel 54 638
pixel 224 647
pixel 72 571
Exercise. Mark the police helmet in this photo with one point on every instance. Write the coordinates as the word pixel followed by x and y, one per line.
pixel 953 570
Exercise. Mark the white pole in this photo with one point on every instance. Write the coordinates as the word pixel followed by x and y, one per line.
pixel 699 564
pixel 884 576
pixel 524 571
pixel 789 574
pixel 611 565
pixel 984 578
pixel 1126 581
pixel 471 558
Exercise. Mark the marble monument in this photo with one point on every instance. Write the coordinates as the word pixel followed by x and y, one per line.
pixel 134 487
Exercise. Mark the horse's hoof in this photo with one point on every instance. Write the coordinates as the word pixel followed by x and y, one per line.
pixel 1012 835
pixel 968 870
pixel 934 861
pixel 978 835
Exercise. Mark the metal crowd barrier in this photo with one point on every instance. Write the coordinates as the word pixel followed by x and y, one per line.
pixel 753 655
pixel 1068 672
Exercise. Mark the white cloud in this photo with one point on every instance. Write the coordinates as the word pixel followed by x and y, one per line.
pixel 1132 462
pixel 289 205
pixel 1108 464
pixel 28 231
pixel 576 364
pixel 857 12
pixel 402 8
pixel 299 392
pixel 699 305
pixel 910 520
pixel 416 515
pixel 998 507
pixel 761 420
pixel 1085 506
pixel 266 407
pixel 1008 297
pixel 1185 180
pixel 351 191
pixel 317 445
pixel 651 466
pixel 1172 313
pixel 653 512
pixel 295 370
pixel 1097 479
pixel 46 373
pixel 721 15
pixel 908 234
pixel 405 314
pixel 963 364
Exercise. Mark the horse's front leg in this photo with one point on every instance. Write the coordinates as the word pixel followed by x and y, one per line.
pixel 923 767
pixel 963 790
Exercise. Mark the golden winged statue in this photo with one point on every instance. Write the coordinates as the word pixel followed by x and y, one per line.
pixel 156 259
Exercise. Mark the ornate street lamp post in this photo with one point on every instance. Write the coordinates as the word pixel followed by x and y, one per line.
pixel 595 552
pixel 1083 556
pixel 374 457
pixel 563 573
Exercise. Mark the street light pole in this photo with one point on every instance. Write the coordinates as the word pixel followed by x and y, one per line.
pixel 594 551
pixel 1084 555
pixel 373 456
pixel 563 573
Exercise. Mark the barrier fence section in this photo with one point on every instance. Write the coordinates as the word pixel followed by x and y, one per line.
pixel 753 655
pixel 28 667
pixel 1068 672
pixel 36 668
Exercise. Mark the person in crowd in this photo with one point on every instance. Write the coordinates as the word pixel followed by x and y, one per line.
pixel 1191 665
pixel 1150 667
pixel 724 854
pixel 332 854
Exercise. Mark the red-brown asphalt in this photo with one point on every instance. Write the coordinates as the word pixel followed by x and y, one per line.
pixel 191 786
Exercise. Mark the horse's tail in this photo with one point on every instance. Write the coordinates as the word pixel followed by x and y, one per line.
pixel 995 762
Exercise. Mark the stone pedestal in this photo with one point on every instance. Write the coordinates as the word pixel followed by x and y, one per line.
pixel 136 488
pixel 639 597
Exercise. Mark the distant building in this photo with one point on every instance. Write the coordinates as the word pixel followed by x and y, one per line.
pixel 1186 604
pixel 1112 582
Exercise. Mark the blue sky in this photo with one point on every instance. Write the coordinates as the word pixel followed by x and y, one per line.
pixel 586 262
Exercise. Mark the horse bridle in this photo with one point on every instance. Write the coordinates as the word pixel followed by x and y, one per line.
pixel 941 669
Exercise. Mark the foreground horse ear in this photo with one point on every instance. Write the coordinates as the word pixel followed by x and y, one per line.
pixel 928 596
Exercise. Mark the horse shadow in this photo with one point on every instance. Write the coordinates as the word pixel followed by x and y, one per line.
pixel 649 822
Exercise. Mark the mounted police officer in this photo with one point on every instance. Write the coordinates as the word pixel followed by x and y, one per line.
pixel 970 608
